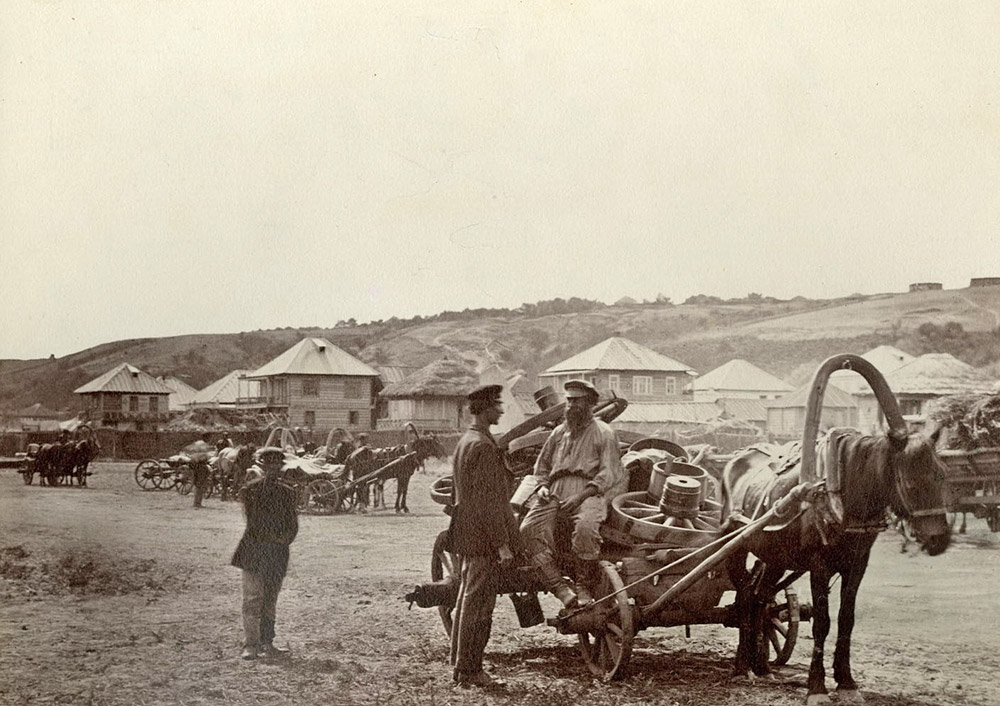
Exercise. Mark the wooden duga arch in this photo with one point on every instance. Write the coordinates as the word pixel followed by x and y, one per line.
pixel 814 412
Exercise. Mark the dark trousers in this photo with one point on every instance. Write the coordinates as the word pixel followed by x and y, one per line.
pixel 260 600
pixel 202 477
pixel 473 615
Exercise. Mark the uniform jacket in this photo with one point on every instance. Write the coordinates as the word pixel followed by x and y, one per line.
pixel 590 453
pixel 482 519
pixel 272 524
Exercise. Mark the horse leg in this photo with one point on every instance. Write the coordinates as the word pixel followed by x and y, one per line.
pixel 850 582
pixel 404 489
pixel 819 585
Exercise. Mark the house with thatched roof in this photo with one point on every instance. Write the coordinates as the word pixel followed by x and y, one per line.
pixel 432 397
pixel 625 367
pixel 739 379
pixel 786 417
pixel 928 377
pixel 126 397
pixel 317 386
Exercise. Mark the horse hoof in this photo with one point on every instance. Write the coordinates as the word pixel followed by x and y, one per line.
pixel 817 699
pixel 850 696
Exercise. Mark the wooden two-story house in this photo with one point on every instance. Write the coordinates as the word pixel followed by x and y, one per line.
pixel 317 386
pixel 625 367
pixel 127 398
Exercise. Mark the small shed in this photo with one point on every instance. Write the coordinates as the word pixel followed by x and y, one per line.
pixel 433 397
pixel 786 417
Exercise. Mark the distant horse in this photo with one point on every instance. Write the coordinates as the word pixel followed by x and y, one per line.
pixel 51 461
pixel 231 464
pixel 367 460
pixel 79 456
pixel 834 533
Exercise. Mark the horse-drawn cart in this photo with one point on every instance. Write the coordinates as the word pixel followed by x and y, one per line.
pixel 973 485
pixel 662 559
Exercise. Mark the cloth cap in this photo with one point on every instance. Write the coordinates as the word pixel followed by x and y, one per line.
pixel 486 394
pixel 271 453
pixel 580 388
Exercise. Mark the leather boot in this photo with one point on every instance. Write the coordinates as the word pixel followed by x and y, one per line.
pixel 586 580
pixel 553 580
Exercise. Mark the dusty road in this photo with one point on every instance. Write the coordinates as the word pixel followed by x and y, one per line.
pixel 111 595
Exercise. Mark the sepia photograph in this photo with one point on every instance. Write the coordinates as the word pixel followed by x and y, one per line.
pixel 535 354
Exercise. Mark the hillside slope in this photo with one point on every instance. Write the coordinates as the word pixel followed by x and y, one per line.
pixel 786 338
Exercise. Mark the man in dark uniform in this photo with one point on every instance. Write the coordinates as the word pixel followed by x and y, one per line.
pixel 262 554
pixel 483 532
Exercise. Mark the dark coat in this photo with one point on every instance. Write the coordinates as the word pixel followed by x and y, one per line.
pixel 272 524
pixel 482 519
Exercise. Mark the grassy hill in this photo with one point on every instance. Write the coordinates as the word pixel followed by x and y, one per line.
pixel 787 338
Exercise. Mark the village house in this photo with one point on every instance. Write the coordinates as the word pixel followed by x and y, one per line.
pixel 885 359
pixel 786 417
pixel 318 386
pixel 926 378
pixel 126 398
pixel 433 397
pixel 180 392
pixel 630 370
pixel 228 392
pixel 739 379
pixel 36 417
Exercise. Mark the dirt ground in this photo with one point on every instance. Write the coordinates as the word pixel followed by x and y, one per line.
pixel 112 595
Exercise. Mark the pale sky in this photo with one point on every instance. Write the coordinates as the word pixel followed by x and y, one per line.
pixel 208 167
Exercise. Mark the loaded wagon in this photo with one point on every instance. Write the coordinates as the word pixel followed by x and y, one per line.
pixel 972 485
pixel 663 556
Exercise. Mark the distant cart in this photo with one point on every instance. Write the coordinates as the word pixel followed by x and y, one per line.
pixel 973 485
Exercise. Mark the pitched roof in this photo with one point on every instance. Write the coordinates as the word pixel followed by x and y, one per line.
pixel 223 391
pixel 441 378
pixel 739 374
pixel 618 354
pixel 181 393
pixel 739 408
pixel 884 358
pixel 314 356
pixel 938 374
pixel 124 378
pixel 833 397
pixel 657 412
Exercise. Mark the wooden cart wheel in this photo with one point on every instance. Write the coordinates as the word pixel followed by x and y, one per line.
pixel 323 497
pixel 148 475
pixel 781 627
pixel 184 480
pixel 444 564
pixel 608 650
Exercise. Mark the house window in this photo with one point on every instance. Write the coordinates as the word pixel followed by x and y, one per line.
pixel 671 385
pixel 133 403
pixel 310 387
pixel 310 419
pixel 154 404
pixel 642 385
pixel 352 390
pixel 615 383
pixel 352 418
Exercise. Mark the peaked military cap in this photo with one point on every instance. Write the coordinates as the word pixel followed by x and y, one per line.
pixel 486 394
pixel 580 388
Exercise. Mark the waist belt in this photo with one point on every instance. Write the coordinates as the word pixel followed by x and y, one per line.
pixel 556 475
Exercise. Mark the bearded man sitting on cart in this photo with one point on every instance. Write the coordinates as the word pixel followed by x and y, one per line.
pixel 579 472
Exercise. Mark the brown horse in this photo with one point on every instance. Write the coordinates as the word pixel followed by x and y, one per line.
pixel 367 460
pixel 834 532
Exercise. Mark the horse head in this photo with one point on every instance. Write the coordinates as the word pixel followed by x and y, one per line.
pixel 427 446
pixel 919 475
